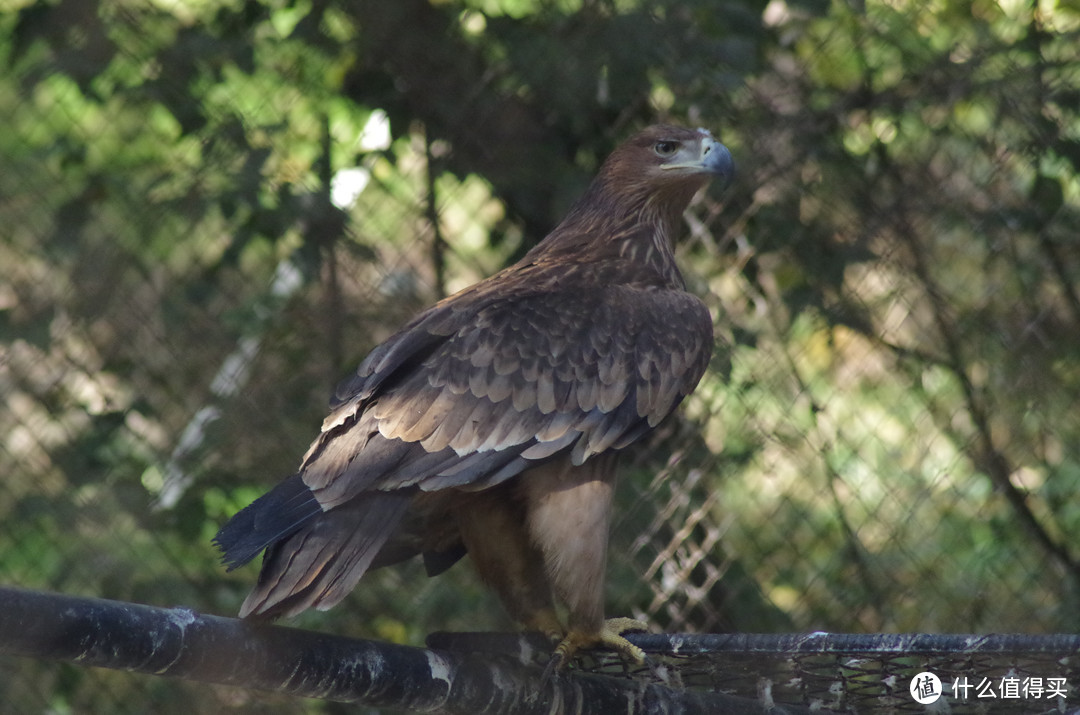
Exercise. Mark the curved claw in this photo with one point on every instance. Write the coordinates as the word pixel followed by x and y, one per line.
pixel 609 636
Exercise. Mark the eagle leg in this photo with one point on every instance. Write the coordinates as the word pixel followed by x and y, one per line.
pixel 545 535
pixel 569 509
pixel 492 527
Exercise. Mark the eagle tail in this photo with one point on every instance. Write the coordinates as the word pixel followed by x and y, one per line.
pixel 320 562
pixel 269 519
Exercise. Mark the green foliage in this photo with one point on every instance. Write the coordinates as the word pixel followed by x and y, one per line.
pixel 885 441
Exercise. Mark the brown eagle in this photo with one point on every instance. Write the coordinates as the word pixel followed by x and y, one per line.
pixel 492 422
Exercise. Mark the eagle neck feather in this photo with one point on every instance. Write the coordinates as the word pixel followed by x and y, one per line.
pixel 631 227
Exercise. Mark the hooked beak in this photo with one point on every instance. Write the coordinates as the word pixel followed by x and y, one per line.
pixel 713 158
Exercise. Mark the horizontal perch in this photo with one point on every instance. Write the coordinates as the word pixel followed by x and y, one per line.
pixel 181 643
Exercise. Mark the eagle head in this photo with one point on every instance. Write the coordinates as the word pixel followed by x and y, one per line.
pixel 664 158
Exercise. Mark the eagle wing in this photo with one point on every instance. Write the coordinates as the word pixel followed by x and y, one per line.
pixel 470 403
pixel 477 389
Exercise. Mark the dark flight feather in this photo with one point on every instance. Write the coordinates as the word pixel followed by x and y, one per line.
pixel 267 520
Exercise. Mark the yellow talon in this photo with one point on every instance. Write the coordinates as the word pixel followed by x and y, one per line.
pixel 610 636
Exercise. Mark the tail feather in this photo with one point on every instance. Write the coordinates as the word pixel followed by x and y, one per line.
pixel 321 562
pixel 269 519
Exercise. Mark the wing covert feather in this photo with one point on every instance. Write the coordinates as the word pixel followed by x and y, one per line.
pixel 532 375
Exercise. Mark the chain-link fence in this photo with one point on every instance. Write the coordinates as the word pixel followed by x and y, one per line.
pixel 212 211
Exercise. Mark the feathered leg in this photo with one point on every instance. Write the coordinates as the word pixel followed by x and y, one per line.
pixel 492 527
pixel 569 514
pixel 545 531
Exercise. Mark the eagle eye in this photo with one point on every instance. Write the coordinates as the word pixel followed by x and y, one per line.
pixel 665 147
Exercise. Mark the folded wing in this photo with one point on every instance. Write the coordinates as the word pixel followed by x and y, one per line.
pixel 474 391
